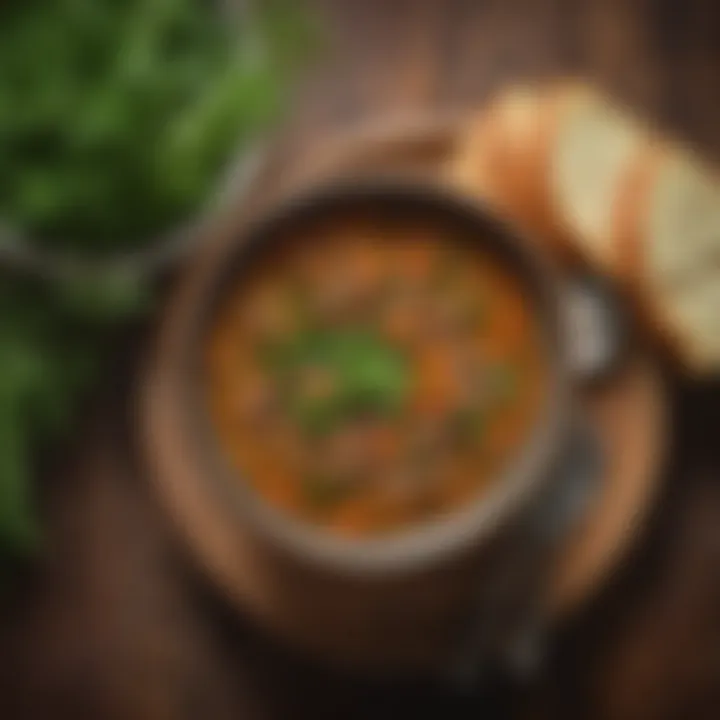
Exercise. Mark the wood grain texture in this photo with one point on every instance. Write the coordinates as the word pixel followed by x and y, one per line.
pixel 110 624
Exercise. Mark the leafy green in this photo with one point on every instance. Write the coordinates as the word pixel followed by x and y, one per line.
pixel 117 119
pixel 370 376
pixel 48 358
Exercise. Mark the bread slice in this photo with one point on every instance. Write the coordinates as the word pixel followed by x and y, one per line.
pixel 695 317
pixel 594 150
pixel 475 166
pixel 529 117
pixel 679 268
pixel 683 222
pixel 627 220
pixel 503 155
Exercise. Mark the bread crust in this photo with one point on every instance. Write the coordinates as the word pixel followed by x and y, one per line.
pixel 504 156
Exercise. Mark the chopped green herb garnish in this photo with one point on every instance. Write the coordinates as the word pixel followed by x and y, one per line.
pixel 370 377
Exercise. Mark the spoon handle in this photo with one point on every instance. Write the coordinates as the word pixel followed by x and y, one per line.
pixel 508 630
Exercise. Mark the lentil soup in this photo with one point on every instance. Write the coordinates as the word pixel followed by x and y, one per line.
pixel 368 374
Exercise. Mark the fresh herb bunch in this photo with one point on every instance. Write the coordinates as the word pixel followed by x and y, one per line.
pixel 49 353
pixel 370 376
pixel 117 116
pixel 117 120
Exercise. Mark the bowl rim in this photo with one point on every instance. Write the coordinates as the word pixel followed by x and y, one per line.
pixel 429 543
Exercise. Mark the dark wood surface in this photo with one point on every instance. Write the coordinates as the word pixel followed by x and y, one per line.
pixel 113 623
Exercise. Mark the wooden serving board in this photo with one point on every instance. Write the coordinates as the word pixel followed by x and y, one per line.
pixel 629 412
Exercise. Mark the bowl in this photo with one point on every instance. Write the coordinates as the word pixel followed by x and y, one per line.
pixel 396 601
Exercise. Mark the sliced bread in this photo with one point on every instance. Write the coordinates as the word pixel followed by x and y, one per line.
pixel 679 257
pixel 595 147
pixel 577 172
pixel 502 159
pixel 474 167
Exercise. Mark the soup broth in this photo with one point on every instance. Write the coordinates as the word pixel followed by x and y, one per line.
pixel 366 375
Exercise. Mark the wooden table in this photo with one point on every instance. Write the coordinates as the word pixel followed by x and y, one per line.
pixel 112 623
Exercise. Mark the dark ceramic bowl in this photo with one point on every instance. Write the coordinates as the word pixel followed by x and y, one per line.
pixel 457 535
